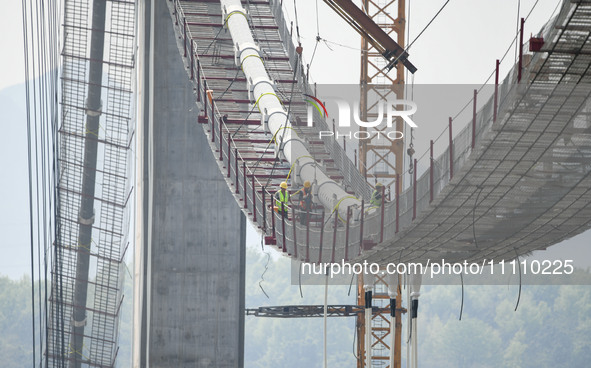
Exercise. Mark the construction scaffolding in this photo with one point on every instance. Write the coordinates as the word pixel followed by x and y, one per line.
pixel 95 183
pixel 510 137
pixel 417 224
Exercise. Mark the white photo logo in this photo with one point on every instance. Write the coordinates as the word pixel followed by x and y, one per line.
pixel 385 109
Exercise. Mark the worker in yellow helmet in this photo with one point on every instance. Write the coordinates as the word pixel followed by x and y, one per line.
pixel 282 199
pixel 376 196
pixel 305 202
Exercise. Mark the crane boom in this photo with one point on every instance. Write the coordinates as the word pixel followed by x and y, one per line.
pixel 372 32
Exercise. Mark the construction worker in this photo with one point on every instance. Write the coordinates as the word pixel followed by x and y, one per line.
pixel 282 199
pixel 305 202
pixel 376 196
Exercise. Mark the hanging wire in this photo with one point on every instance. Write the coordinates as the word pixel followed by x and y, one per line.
pixel 40 56
pixel 351 284
pixel 462 303
pixel 519 294
pixel 354 343
pixel 266 268
pixel 428 24
pixel 230 85
pixel 532 9
pixel 30 168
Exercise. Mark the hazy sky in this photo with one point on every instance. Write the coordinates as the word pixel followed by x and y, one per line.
pixel 459 47
pixel 11 43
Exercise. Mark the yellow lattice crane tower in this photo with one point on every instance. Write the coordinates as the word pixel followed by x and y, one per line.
pixel 381 23
pixel 381 160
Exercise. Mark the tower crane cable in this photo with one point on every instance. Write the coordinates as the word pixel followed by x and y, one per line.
pixel 487 80
pixel 420 33
pixel 318 38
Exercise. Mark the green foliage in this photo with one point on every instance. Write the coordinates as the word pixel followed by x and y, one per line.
pixel 16 341
pixel 551 327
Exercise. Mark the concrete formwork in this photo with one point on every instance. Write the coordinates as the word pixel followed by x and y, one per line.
pixel 193 232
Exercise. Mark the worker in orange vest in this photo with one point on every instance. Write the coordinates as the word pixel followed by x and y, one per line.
pixel 376 196
pixel 305 202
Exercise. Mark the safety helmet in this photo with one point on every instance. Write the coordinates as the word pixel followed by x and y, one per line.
pixel 283 185
pixel 307 184
pixel 379 185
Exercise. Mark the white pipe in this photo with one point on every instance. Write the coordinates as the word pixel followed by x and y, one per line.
pixel 392 339
pixel 415 348
pixel 415 292
pixel 248 56
pixel 368 281
pixel 367 337
pixel 392 293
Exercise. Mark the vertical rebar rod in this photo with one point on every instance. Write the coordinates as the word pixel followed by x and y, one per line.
pixel 397 202
pixel 361 226
pixel 451 152
pixel 236 170
pixel 474 119
pixel 496 104
pixel 334 235
pixel 244 185
pixel 254 198
pixel 430 171
pixel 263 200
pixel 347 234
pixel 283 215
pixel 230 154
pixel 198 81
pixel 382 214
pixel 520 51
pixel 307 234
pixel 272 214
pixel 295 241
pixel 321 238
pixel 414 191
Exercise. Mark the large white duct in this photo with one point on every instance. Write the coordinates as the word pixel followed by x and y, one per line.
pixel 262 92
